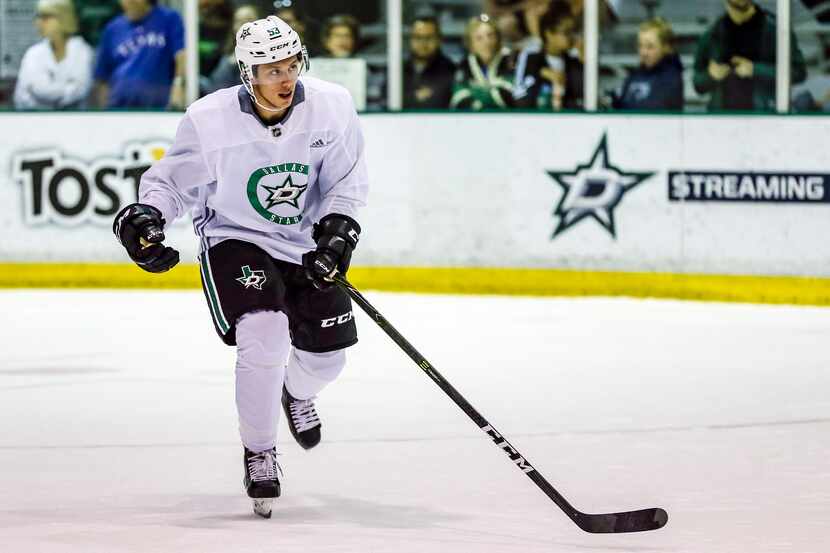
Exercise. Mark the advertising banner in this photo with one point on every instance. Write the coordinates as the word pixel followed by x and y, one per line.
pixel 699 194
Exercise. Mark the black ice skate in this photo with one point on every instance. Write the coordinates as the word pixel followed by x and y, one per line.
pixel 261 480
pixel 302 419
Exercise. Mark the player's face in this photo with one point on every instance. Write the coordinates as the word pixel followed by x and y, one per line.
pixel 275 82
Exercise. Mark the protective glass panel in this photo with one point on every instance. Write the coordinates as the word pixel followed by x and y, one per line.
pixel 346 42
pixel 497 53
pixel 218 22
pixel 86 54
pixel 810 63
pixel 549 46
pixel 17 34
pixel 703 56
pixel 432 51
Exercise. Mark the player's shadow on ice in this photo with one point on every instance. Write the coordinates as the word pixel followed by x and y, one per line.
pixel 333 509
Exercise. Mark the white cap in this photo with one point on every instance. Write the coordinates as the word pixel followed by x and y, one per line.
pixel 265 41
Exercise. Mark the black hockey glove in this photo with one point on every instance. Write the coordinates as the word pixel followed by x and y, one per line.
pixel 139 229
pixel 336 237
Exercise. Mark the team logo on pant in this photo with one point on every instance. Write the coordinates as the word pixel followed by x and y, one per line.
pixel 251 278
pixel 339 320
pixel 593 190
pixel 276 192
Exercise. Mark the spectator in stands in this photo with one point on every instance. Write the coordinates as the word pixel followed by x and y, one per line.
pixel 814 93
pixel 340 36
pixel 520 18
pixel 551 79
pixel 215 19
pixel 141 59
pixel 226 73
pixel 514 33
pixel 428 74
pixel 518 22
pixel 658 83
pixel 296 22
pixel 484 80
pixel 93 16
pixel 55 73
pixel 735 60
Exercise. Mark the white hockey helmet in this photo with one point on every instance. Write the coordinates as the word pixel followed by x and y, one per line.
pixel 265 41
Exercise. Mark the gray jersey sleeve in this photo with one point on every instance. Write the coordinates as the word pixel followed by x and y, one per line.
pixel 344 179
pixel 173 184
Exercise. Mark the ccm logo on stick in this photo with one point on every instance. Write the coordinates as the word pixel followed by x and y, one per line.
pixel 511 452
pixel 344 318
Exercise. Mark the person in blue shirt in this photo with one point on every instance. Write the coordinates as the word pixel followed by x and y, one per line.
pixel 657 84
pixel 141 58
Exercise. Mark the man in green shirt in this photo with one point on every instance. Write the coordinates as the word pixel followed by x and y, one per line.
pixel 735 60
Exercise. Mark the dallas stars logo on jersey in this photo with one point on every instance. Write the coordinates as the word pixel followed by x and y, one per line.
pixel 275 192
pixel 252 278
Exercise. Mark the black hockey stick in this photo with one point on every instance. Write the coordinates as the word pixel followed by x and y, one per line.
pixel 630 521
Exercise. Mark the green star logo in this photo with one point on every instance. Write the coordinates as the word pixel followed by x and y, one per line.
pixel 275 194
pixel 251 278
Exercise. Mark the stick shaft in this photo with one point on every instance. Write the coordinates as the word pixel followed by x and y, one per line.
pixel 479 420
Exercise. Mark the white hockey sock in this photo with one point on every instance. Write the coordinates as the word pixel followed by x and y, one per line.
pixel 262 347
pixel 308 373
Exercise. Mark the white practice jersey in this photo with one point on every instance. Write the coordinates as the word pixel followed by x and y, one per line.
pixel 264 185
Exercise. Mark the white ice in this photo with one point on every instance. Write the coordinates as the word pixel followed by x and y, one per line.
pixel 118 429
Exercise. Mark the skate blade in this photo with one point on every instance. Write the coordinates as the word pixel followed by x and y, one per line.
pixel 262 507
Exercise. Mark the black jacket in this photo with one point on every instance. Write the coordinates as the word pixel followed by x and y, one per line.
pixel 438 76
pixel 531 90
pixel 659 87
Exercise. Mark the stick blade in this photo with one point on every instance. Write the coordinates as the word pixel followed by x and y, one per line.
pixel 617 523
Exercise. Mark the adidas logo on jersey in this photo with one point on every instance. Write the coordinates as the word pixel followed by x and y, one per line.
pixel 319 143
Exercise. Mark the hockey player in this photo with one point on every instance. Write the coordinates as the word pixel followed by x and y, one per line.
pixel 274 174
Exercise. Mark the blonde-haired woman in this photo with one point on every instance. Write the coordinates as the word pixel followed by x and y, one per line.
pixel 55 73
pixel 657 84
pixel 485 79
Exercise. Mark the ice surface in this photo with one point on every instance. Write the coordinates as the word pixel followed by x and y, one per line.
pixel 118 429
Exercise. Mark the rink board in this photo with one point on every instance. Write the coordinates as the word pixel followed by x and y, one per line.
pixel 643 205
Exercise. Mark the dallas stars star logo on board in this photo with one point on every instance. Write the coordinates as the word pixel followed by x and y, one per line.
pixel 593 190
pixel 286 193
